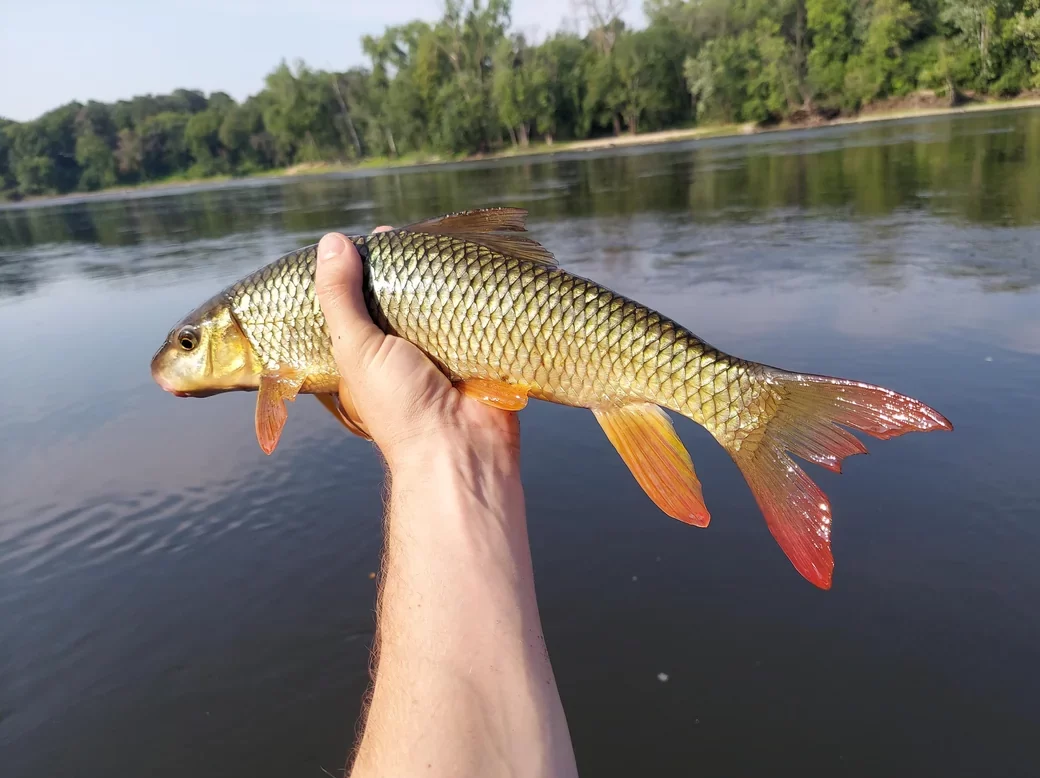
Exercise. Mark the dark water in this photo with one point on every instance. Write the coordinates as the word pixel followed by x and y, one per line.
pixel 174 603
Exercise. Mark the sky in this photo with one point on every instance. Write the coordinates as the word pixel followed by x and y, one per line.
pixel 55 51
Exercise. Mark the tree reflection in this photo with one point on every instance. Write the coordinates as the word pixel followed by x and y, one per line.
pixel 979 171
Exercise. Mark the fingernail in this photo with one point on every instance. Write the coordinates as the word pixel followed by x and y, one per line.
pixel 332 245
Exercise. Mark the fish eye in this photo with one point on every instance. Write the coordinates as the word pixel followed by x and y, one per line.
pixel 188 338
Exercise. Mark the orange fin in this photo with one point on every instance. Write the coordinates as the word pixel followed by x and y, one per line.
pixel 497 394
pixel 493 228
pixel 275 388
pixel 807 410
pixel 335 407
pixel 645 438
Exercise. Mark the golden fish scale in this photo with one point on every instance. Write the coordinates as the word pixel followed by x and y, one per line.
pixel 278 311
pixel 482 314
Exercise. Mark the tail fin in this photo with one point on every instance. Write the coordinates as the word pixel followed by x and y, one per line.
pixel 800 414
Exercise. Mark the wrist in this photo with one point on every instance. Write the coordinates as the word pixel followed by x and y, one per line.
pixel 469 451
pixel 456 496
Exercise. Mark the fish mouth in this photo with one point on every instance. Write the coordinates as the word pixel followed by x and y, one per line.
pixel 175 389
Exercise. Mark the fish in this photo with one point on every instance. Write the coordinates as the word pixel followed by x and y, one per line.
pixel 492 308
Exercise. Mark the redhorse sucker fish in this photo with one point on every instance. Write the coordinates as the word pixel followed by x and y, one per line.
pixel 493 310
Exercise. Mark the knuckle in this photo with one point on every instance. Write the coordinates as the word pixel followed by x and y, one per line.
pixel 332 292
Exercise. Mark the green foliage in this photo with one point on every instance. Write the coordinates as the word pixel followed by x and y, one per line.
pixel 1024 30
pixel 202 137
pixel 870 73
pixel 464 115
pixel 6 174
pixel 973 22
pixel 560 85
pixel 516 87
pixel 299 110
pixel 34 174
pixel 164 149
pixel 96 160
pixel 747 78
pixel 716 77
pixel 829 23
pixel 466 84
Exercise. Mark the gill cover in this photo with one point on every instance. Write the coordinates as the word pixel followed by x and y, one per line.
pixel 206 353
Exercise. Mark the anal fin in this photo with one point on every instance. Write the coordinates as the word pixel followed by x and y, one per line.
pixel 645 438
pixel 497 394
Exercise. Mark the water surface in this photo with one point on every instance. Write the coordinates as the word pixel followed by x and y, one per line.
pixel 173 602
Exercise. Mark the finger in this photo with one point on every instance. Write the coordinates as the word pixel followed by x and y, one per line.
pixel 338 280
pixel 384 228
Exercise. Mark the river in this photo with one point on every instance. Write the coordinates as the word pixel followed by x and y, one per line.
pixel 174 603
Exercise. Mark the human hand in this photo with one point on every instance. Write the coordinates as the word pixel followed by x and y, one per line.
pixel 457 560
pixel 406 403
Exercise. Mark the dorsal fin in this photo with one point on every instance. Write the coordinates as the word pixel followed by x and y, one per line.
pixel 494 228
pixel 474 222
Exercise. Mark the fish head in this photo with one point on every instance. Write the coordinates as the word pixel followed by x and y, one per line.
pixel 206 353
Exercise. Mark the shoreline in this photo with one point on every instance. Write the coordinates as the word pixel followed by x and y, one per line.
pixel 869 116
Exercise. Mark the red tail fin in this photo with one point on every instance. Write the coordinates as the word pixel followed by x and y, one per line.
pixel 800 414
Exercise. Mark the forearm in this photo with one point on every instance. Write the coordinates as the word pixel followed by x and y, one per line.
pixel 463 683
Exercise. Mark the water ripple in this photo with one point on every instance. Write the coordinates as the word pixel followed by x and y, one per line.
pixel 61 538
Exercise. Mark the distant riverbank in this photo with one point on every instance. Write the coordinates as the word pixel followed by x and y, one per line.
pixel 914 106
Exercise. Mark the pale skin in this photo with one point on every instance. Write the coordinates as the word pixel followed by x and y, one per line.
pixel 463 685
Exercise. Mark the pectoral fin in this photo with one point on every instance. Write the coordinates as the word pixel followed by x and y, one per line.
pixel 645 438
pixel 275 388
pixel 335 407
pixel 497 394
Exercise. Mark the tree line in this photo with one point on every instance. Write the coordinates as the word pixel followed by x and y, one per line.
pixel 468 84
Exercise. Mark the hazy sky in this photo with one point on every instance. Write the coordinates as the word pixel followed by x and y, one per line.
pixel 54 51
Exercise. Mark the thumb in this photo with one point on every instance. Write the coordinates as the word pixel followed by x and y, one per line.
pixel 338 282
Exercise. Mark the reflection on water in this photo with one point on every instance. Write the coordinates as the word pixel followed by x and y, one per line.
pixel 981 171
pixel 171 598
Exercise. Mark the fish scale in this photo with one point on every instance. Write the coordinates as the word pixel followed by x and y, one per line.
pixel 497 300
pixel 492 309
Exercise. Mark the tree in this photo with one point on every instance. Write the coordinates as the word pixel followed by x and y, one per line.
pixel 660 51
pixel 42 153
pixel 7 180
pixel 1027 30
pixel 604 20
pixel 469 40
pixel 409 65
pixel 464 116
pixel 349 89
pixel 129 155
pixel 869 73
pixel 466 84
pixel 829 25
pixel 559 82
pixel 34 174
pixel 96 118
pixel 975 21
pixel 603 96
pixel 773 84
pixel 514 88
pixel 705 80
pixel 295 113
pixel 163 150
pixel 202 138
pixel 96 160
pixel 637 90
